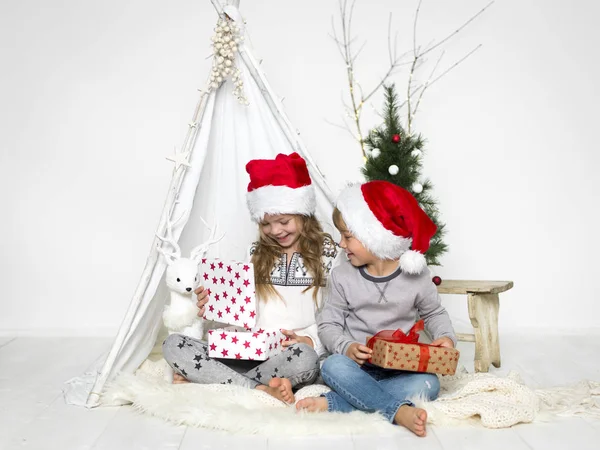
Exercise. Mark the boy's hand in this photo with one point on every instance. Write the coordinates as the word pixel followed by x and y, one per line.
pixel 295 339
pixel 359 353
pixel 443 342
pixel 202 297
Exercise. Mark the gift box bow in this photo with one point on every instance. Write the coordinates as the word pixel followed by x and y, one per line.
pixel 400 337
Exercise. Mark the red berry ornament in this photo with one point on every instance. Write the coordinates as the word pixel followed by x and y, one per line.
pixel 396 138
pixel 436 280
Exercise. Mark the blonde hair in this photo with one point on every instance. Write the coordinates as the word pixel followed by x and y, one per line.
pixel 310 246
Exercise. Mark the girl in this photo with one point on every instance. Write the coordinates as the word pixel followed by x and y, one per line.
pixel 292 260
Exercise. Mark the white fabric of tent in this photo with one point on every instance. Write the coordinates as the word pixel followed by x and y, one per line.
pixel 223 135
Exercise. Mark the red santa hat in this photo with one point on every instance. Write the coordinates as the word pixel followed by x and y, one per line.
pixel 279 186
pixel 389 222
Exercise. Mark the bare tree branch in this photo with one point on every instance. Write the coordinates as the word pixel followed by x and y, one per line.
pixel 415 29
pixel 345 43
pixel 416 57
pixel 358 52
pixel 391 58
pixel 427 83
pixel 343 127
pixel 459 28
pixel 412 94
pixel 456 64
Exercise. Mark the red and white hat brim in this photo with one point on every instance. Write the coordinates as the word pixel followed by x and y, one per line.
pixel 281 200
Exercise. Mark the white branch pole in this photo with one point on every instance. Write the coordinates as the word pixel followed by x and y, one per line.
pixel 275 107
pixel 219 7
pixel 285 124
pixel 173 192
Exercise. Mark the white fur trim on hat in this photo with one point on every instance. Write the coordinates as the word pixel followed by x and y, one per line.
pixel 281 200
pixel 363 224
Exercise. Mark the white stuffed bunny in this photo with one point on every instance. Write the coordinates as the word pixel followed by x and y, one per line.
pixel 181 314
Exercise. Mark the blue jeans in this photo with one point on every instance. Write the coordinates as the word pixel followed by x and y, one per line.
pixel 373 389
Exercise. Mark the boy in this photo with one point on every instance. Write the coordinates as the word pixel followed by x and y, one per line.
pixel 383 285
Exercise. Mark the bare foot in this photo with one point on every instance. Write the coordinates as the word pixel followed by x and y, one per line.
pixel 312 404
pixel 412 418
pixel 280 388
pixel 179 379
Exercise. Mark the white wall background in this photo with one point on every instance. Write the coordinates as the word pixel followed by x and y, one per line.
pixel 94 95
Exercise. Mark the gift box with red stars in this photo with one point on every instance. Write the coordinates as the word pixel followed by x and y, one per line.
pixel 230 286
pixel 258 345
pixel 400 351
pixel 232 300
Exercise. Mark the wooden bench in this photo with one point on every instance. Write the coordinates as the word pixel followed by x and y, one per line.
pixel 483 302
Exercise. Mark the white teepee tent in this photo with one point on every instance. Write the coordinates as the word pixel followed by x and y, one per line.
pixel 209 181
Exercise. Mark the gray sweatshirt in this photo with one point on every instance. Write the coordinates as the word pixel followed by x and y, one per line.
pixel 357 305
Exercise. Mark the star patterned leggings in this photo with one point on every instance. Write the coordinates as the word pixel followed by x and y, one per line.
pixel 189 358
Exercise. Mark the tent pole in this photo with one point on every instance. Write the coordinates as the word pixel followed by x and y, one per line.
pixel 219 7
pixel 284 122
pixel 173 192
pixel 174 187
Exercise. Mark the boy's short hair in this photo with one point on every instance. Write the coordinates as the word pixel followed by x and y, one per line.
pixel 338 220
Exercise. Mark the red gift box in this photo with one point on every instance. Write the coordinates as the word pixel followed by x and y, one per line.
pixel 400 351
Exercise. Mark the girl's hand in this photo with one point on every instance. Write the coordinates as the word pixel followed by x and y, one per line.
pixel 359 353
pixel 443 342
pixel 295 339
pixel 202 297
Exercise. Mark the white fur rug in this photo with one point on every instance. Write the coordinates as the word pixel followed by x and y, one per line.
pixel 235 409
pixel 474 399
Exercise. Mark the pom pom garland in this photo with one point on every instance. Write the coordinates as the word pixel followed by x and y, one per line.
pixel 225 46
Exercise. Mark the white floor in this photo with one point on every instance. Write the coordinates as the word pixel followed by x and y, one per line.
pixel 33 414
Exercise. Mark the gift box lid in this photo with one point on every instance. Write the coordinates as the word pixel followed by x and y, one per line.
pixel 231 292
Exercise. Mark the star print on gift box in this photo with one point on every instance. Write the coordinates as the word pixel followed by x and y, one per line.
pixel 257 345
pixel 413 357
pixel 229 283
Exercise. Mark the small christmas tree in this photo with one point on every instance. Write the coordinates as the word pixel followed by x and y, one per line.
pixel 395 156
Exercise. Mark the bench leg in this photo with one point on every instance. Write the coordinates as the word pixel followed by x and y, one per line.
pixel 483 312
